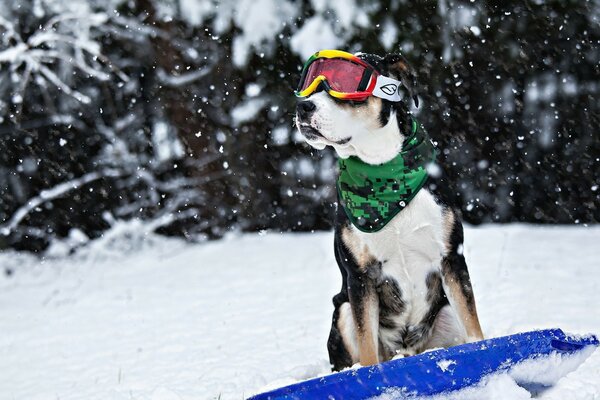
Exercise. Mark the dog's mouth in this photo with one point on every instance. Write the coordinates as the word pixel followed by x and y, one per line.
pixel 311 133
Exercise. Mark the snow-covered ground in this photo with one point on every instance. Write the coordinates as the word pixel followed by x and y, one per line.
pixel 126 318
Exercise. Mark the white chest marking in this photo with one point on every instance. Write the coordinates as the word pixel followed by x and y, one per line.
pixel 410 246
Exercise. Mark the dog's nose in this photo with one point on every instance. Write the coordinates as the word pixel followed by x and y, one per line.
pixel 304 108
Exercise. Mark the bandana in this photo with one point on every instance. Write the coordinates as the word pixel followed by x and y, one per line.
pixel 372 195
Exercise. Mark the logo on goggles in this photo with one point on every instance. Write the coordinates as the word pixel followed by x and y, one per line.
pixel 345 76
pixel 389 89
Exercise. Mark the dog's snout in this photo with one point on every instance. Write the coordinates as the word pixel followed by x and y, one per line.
pixel 304 108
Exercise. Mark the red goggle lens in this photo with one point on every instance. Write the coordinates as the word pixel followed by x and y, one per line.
pixel 342 75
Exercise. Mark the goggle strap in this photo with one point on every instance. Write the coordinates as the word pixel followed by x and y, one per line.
pixel 364 82
pixel 387 88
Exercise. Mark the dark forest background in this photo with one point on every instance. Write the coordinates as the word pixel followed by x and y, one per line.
pixel 180 113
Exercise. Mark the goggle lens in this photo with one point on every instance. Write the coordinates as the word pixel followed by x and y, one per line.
pixel 342 75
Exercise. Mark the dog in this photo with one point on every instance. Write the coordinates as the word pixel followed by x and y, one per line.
pixel 406 287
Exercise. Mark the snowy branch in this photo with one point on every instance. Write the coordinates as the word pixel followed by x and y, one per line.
pixel 183 79
pixel 53 193
pixel 40 52
pixel 170 217
pixel 51 76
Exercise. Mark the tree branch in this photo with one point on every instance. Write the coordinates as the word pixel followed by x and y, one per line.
pixel 50 194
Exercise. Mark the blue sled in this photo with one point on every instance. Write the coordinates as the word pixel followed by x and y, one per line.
pixel 442 370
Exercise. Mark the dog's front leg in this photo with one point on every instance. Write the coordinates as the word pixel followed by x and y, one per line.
pixel 457 285
pixel 364 302
pixel 456 280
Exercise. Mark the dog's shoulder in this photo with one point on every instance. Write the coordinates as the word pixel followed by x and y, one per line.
pixel 444 194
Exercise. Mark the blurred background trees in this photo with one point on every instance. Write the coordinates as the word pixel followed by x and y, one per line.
pixel 180 112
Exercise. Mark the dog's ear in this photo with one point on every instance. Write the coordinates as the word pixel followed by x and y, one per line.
pixel 401 70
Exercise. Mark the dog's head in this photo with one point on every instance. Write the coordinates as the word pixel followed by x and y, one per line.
pixel 372 130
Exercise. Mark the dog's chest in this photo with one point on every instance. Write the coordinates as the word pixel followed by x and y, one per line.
pixel 409 248
pixel 412 239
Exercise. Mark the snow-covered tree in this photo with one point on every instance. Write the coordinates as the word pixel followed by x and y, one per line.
pixel 180 111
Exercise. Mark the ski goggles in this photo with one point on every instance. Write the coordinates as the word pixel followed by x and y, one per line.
pixel 345 77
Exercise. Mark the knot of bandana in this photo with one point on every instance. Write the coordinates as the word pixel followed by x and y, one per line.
pixel 372 195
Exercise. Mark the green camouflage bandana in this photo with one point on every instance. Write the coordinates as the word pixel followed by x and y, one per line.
pixel 373 194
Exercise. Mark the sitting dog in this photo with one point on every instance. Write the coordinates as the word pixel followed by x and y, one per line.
pixel 405 283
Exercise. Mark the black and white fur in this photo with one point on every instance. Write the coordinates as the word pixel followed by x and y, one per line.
pixel 405 288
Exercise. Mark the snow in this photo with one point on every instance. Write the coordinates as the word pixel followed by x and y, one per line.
pixel 135 315
pixel 548 370
pixel 281 135
pixel 259 21
pixel 194 12
pixel 475 30
pixel 388 35
pixel 247 110
pixel 331 27
pixel 445 365
pixel 166 144
pixel 316 34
